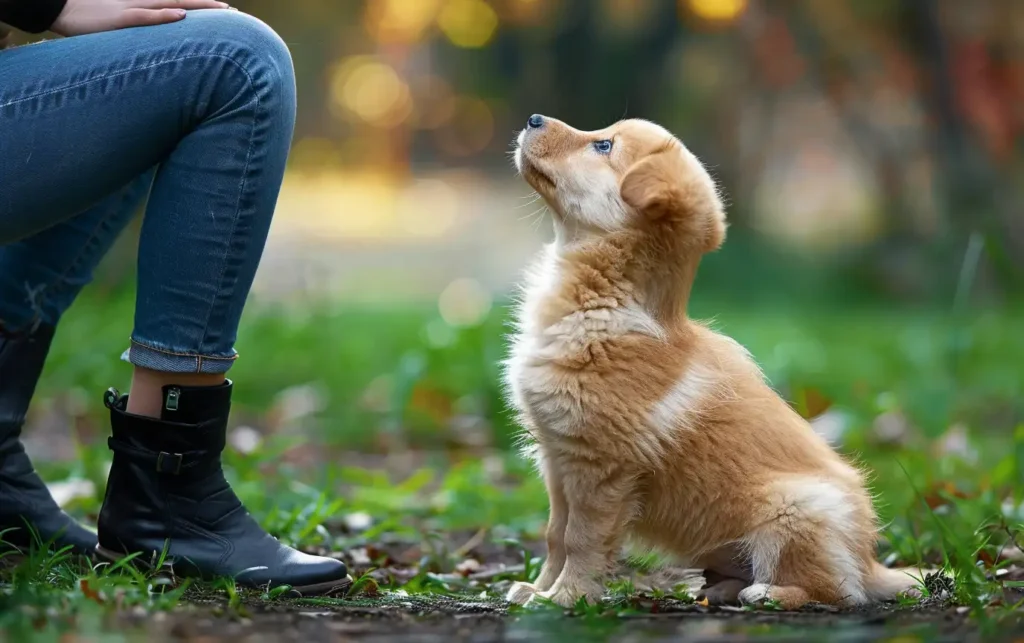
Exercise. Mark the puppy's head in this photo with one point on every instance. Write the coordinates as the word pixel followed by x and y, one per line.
pixel 632 175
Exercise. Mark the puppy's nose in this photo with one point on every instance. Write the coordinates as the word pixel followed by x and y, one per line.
pixel 535 121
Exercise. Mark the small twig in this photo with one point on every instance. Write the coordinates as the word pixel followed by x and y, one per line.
pixel 471 544
pixel 493 573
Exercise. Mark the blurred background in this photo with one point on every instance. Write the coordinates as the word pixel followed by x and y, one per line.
pixel 868 138
pixel 870 151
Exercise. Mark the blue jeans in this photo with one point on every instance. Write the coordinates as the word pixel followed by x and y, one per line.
pixel 197 116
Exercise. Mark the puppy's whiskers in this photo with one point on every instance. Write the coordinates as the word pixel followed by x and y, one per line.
pixel 538 217
pixel 533 198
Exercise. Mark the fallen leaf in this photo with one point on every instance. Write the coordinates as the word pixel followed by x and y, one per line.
pixel 89 592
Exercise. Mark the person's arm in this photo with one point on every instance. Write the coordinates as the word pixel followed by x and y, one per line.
pixel 78 17
pixel 33 16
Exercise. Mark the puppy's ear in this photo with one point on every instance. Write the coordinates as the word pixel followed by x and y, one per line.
pixel 651 186
pixel 666 185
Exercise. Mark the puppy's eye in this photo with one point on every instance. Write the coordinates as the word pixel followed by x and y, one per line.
pixel 603 147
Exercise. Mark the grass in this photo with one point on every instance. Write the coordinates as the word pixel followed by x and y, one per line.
pixel 383 433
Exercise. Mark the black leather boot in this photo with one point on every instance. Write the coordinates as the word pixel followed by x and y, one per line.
pixel 167 488
pixel 26 505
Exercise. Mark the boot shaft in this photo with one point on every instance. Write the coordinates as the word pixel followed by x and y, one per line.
pixel 167 472
pixel 21 363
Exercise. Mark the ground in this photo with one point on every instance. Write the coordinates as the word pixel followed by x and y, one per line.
pixel 397 456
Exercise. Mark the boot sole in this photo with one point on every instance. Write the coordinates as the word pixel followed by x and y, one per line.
pixel 331 588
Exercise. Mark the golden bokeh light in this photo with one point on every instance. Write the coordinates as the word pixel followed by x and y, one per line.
pixel 370 91
pixel 722 11
pixel 465 302
pixel 469 24
pixel 399 21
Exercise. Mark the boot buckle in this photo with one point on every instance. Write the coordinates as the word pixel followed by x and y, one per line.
pixel 169 462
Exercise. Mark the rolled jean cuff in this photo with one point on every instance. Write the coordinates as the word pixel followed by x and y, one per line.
pixel 169 361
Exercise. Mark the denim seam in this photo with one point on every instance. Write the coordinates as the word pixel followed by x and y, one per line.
pixel 238 207
pixel 177 354
pixel 125 72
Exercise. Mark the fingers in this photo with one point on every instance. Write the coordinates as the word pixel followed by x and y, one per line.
pixel 149 17
pixel 159 12
pixel 179 4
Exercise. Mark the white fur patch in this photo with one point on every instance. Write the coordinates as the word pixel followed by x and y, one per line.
pixel 829 506
pixel 764 547
pixel 682 405
pixel 808 503
pixel 592 198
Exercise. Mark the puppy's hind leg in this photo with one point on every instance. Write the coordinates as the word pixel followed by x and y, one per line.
pixel 795 567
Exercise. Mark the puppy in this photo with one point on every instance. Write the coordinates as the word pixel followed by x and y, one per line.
pixel 647 424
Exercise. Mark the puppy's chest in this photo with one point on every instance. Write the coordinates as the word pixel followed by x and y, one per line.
pixel 545 394
pixel 549 371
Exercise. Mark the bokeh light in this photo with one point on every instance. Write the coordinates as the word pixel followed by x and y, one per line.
pixel 399 21
pixel 468 23
pixel 465 302
pixel 371 91
pixel 717 10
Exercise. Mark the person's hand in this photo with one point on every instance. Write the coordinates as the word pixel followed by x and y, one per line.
pixel 90 16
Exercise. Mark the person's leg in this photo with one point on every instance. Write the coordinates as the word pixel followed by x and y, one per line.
pixel 211 100
pixel 39 279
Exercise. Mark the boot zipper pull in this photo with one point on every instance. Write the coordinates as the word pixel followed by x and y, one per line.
pixel 172 399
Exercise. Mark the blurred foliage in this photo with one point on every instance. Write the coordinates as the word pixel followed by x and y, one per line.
pixel 883 130
pixel 872 135
pixel 399 377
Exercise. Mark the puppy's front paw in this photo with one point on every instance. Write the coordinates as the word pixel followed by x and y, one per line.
pixel 562 597
pixel 567 596
pixel 521 593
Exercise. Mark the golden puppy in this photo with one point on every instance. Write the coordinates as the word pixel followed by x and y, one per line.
pixel 647 424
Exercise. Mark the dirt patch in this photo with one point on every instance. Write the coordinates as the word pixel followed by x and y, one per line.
pixel 451 620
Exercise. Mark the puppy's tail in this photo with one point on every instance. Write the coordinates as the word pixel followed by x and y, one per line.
pixel 884 584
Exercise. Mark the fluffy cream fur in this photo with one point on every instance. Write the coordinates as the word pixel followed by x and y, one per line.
pixel 647 424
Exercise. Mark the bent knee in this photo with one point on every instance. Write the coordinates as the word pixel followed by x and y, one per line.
pixel 246 41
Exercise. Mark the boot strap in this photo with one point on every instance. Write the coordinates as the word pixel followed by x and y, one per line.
pixel 162 462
